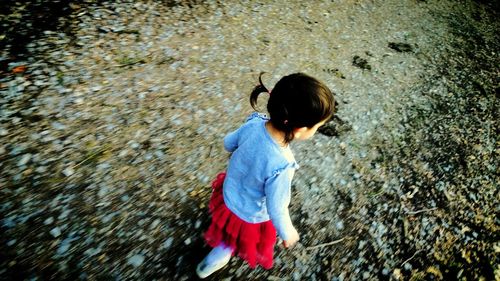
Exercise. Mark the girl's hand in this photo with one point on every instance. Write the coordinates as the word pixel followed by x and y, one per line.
pixel 294 238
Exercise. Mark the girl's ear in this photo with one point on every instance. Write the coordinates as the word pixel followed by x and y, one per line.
pixel 297 132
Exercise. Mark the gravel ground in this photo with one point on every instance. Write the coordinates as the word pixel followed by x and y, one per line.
pixel 112 118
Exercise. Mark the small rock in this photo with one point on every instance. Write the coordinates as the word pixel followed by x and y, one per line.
pixel 68 171
pixel 136 260
pixel 123 153
pixel 168 242
pixel 41 169
pixel 103 191
pixel 92 251
pixel 64 247
pixel 48 221
pixel 339 225
pixel 400 47
pixel 64 214
pixel 155 223
pixel 56 231
pixel 107 218
pixel 159 154
pixel 397 274
pixel 24 159
pixel 58 126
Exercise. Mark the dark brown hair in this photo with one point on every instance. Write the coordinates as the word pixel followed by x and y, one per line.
pixel 296 101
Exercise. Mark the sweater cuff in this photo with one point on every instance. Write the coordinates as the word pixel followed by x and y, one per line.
pixel 284 226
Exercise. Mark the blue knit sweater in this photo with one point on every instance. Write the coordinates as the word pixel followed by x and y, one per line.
pixel 259 176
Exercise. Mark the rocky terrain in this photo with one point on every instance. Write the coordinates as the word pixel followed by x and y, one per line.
pixel 112 115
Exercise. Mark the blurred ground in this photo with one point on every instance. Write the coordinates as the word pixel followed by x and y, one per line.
pixel 112 116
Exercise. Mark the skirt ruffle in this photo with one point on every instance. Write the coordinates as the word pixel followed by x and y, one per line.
pixel 253 242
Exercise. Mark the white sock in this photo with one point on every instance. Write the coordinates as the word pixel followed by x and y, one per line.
pixel 222 251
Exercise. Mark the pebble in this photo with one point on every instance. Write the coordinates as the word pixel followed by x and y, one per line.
pixel 154 223
pixel 159 154
pixel 96 88
pixel 107 218
pixel 9 222
pixel 396 273
pixel 48 221
pixel 92 251
pixel 339 225
pixel 24 159
pixel 58 126
pixel 136 260
pixel 168 242
pixel 41 169
pixel 68 171
pixel 64 246
pixel 102 191
pixel 64 214
pixel 56 231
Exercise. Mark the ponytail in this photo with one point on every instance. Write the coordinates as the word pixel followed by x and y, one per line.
pixel 256 91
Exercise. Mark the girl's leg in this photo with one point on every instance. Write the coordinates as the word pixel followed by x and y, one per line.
pixel 215 260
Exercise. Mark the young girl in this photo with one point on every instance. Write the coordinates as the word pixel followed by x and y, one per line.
pixel 249 203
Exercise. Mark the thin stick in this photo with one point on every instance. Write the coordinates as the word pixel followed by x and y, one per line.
pixel 326 244
pixel 421 211
pixel 98 151
pixel 411 257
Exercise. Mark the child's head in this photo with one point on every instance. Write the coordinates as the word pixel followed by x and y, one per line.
pixel 297 101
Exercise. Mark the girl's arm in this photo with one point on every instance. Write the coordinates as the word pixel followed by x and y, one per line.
pixel 231 141
pixel 277 189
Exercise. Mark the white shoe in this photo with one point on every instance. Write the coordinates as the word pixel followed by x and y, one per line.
pixel 204 269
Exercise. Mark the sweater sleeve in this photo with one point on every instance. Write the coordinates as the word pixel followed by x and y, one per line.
pixel 231 141
pixel 277 189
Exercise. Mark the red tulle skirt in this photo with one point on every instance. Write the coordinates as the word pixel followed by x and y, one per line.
pixel 253 242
